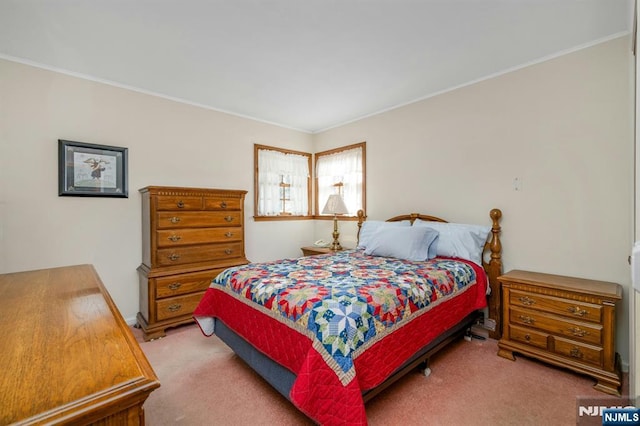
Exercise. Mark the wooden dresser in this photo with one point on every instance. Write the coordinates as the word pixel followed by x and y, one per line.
pixel 189 235
pixel 67 355
pixel 565 321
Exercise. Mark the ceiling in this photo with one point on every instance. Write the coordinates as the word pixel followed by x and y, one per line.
pixel 304 64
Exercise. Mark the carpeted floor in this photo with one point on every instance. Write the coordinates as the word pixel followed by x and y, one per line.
pixel 204 383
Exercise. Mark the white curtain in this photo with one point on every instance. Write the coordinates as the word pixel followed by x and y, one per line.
pixel 342 167
pixel 273 167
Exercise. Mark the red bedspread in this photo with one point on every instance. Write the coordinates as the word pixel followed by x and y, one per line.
pixel 360 319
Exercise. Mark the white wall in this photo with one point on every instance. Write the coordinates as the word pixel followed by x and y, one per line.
pixel 564 127
pixel 169 144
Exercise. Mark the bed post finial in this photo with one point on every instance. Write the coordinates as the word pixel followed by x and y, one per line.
pixel 495 245
pixel 494 269
pixel 361 219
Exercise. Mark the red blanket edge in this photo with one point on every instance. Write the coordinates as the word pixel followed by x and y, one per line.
pixel 313 392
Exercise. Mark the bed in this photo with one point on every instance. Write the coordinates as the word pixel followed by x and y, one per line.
pixel 330 332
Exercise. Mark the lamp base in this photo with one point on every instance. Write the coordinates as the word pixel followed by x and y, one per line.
pixel 335 246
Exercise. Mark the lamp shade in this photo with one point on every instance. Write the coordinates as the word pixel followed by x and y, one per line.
pixel 335 205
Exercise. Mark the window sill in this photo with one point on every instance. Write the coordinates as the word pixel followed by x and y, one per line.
pixel 316 217
pixel 340 218
pixel 277 218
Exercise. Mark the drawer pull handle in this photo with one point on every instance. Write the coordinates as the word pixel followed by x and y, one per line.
pixel 175 307
pixel 175 238
pixel 228 251
pixel 174 219
pixel 526 319
pixel 223 205
pixel 175 286
pixel 578 332
pixel 575 352
pixel 174 257
pixel 577 311
pixel 229 234
pixel 180 204
pixel 526 300
pixel 527 337
pixel 228 218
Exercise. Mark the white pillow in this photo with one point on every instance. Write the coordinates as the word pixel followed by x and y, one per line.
pixel 459 240
pixel 402 242
pixel 369 228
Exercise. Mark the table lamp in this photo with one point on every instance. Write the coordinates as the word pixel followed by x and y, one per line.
pixel 335 206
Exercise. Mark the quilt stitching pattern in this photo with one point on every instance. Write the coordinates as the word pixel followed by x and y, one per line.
pixel 346 300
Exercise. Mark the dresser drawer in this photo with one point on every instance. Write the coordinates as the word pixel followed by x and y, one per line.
pixel 557 305
pixel 579 352
pixel 583 331
pixel 183 237
pixel 169 220
pixel 175 285
pixel 177 306
pixel 172 202
pixel 222 204
pixel 529 337
pixel 194 254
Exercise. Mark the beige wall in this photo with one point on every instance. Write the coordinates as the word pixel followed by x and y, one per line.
pixel 564 127
pixel 169 144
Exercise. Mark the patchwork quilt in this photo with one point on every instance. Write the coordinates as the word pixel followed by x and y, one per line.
pixel 342 322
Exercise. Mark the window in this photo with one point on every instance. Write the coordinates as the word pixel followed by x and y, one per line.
pixel 283 177
pixel 342 171
pixel 282 183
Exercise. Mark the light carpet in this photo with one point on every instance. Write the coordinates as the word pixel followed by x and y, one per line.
pixel 204 383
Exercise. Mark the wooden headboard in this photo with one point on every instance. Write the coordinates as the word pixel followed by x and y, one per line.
pixel 492 249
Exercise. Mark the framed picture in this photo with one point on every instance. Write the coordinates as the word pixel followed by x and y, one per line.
pixel 89 170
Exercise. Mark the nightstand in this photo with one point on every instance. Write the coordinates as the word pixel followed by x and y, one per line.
pixel 565 321
pixel 314 250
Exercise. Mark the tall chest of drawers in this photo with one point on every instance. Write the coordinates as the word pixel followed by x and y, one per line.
pixel 565 321
pixel 189 235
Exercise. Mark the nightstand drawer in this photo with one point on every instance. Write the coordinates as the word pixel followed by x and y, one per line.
pixel 584 331
pixel 529 337
pixel 556 305
pixel 315 250
pixel 579 352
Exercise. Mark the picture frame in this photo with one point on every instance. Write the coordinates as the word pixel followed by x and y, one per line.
pixel 91 170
